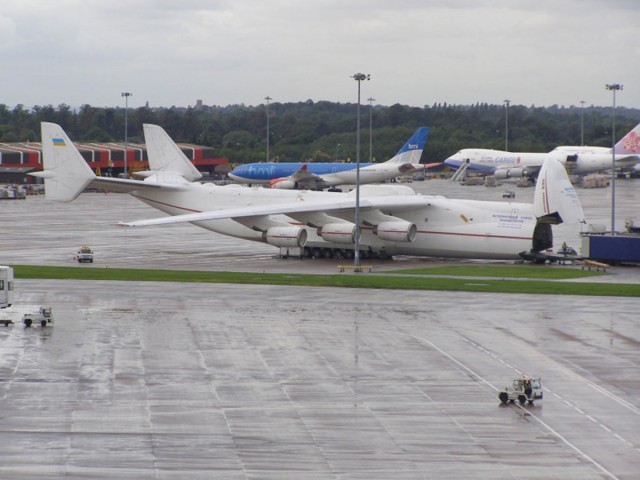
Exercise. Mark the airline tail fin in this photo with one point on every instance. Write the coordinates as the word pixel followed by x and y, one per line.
pixel 165 156
pixel 412 150
pixel 630 143
pixel 66 174
pixel 555 201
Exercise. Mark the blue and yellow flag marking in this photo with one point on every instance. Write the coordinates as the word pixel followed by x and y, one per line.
pixel 58 142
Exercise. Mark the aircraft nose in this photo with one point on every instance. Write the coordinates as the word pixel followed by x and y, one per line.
pixel 452 162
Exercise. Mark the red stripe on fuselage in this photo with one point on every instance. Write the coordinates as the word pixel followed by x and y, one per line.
pixel 145 199
pixel 481 235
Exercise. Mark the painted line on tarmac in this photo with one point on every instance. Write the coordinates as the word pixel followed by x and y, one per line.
pixel 615 398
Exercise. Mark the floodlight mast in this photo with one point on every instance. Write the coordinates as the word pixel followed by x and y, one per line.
pixel 371 100
pixel 614 87
pixel 358 77
pixel 506 124
pixel 267 98
pixel 126 96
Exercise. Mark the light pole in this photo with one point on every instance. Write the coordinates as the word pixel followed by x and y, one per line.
pixel 371 100
pixel 581 122
pixel 126 96
pixel 506 128
pixel 358 77
pixel 267 98
pixel 614 87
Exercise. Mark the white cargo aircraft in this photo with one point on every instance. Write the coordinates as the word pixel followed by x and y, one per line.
pixel 394 219
pixel 578 160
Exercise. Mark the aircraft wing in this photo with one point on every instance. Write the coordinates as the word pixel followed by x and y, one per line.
pixel 125 185
pixel 386 204
pixel 431 165
pixel 304 177
pixel 627 160
pixel 301 177
pixel 119 185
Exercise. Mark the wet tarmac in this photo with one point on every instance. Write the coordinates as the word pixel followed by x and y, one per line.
pixel 166 381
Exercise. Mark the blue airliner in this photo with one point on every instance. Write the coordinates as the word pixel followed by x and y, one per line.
pixel 318 176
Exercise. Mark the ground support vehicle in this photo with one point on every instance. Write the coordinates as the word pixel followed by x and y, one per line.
pixel 523 389
pixel 27 314
pixel 85 254
pixel 43 316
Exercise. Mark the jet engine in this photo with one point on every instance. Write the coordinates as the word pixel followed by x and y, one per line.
pixel 515 172
pixel 285 236
pixel 396 231
pixel 282 184
pixel 338 232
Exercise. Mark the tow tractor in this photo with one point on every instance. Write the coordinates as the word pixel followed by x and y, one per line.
pixel 523 389
pixel 43 316
pixel 27 314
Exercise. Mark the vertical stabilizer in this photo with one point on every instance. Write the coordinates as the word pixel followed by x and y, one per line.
pixel 412 150
pixel 165 156
pixel 66 174
pixel 630 143
pixel 555 200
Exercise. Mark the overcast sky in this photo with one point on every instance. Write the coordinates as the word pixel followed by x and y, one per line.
pixel 418 52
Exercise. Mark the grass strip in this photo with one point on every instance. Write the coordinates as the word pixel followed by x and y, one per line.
pixel 548 272
pixel 363 280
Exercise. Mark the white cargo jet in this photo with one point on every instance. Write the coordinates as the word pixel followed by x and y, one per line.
pixel 578 160
pixel 394 219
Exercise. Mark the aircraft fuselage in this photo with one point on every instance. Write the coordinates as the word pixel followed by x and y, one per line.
pixel 447 227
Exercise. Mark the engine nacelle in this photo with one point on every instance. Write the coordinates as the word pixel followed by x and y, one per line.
pixel 396 231
pixel 282 184
pixel 285 236
pixel 338 232
pixel 515 172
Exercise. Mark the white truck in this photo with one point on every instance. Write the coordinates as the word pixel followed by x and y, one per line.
pixel 85 254
pixel 523 389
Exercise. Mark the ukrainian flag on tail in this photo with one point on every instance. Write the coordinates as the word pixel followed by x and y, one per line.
pixel 58 142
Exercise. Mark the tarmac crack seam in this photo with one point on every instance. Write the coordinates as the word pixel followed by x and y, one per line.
pixel 530 414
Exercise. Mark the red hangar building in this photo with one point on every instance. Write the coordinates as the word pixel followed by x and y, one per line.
pixel 105 159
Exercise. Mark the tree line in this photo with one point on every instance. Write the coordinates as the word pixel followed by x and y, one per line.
pixel 326 131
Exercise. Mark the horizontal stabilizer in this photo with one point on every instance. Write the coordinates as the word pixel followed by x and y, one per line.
pixel 165 156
